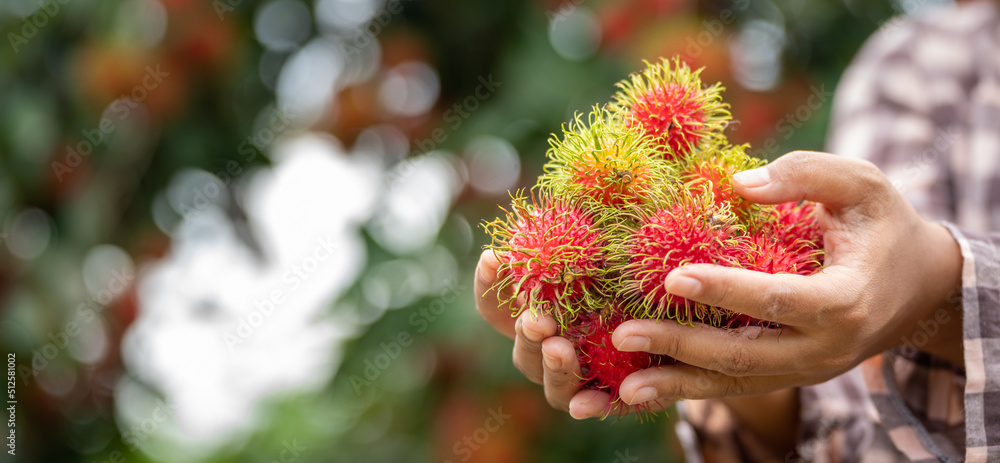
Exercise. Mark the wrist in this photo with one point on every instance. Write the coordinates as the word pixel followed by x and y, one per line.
pixel 938 329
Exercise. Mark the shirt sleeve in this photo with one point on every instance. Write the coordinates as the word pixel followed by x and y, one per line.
pixel 981 326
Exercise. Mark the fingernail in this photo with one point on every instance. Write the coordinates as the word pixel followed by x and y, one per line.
pixel 634 344
pixel 753 178
pixel 552 363
pixel 682 286
pixel 483 278
pixel 576 413
pixel 643 395
pixel 531 334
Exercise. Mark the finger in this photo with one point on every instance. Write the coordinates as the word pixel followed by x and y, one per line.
pixel 794 300
pixel 590 403
pixel 530 330
pixel 487 302
pixel 835 181
pixel 680 381
pixel 561 371
pixel 752 351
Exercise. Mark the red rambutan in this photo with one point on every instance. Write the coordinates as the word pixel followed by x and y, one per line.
pixel 642 187
pixel 551 255
pixel 672 107
pixel 792 239
pixel 692 230
pixel 712 171
pixel 796 222
pixel 603 366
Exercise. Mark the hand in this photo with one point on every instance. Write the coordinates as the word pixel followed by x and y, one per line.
pixel 888 274
pixel 541 355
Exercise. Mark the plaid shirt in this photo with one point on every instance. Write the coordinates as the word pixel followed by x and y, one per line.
pixel 922 101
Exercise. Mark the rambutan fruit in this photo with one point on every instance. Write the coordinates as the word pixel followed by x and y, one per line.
pixel 712 171
pixel 672 107
pixel 552 256
pixel 603 160
pixel 794 226
pixel 796 222
pixel 770 254
pixel 685 231
pixel 603 366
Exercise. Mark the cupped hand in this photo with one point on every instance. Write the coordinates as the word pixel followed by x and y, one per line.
pixel 542 356
pixel 888 276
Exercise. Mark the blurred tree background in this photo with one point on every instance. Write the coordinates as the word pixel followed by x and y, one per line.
pixel 242 230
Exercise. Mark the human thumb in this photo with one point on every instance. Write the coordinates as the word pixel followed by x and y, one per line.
pixel 834 181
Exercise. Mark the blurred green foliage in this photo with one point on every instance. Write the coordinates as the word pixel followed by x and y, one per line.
pixel 441 388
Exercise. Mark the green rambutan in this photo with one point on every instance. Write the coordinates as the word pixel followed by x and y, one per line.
pixel 551 254
pixel 603 160
pixel 672 107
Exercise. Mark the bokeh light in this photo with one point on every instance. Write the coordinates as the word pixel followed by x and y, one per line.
pixel 229 226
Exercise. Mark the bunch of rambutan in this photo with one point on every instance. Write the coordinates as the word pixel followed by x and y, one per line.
pixel 638 188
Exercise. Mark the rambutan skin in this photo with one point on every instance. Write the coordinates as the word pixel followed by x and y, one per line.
pixel 688 231
pixel 552 256
pixel 603 366
pixel 603 160
pixel 711 171
pixel 672 107
pixel 797 223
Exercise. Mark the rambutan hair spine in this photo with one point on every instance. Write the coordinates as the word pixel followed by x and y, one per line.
pixel 673 107
pixel 552 255
pixel 795 227
pixel 604 162
pixel 675 230
pixel 711 170
pixel 603 366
